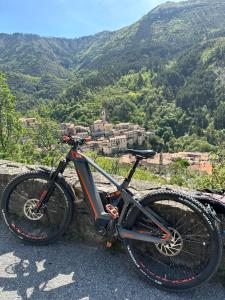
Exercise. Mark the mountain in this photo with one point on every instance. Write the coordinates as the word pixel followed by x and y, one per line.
pixel 175 53
pixel 38 67
pixel 161 34
pixel 43 66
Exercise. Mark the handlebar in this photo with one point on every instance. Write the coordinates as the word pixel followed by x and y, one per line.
pixel 77 141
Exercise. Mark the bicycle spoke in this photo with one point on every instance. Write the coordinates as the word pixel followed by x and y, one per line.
pixel 178 221
pixel 151 257
pixel 192 241
pixel 188 252
pixel 191 228
pixel 178 267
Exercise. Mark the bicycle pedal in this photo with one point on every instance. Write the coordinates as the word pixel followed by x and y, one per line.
pixel 112 210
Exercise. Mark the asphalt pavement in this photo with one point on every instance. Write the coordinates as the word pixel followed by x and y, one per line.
pixel 76 270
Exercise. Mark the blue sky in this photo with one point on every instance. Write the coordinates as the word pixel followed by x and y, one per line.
pixel 70 18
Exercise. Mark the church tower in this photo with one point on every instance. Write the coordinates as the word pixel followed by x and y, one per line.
pixel 103 116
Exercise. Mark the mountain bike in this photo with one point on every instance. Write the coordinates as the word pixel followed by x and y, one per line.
pixel 171 239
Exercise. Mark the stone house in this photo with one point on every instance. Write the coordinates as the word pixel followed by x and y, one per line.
pixel 79 128
pixel 108 127
pixel 122 126
pixel 82 131
pixel 118 143
pixel 29 122
pixel 94 145
pixel 67 128
pixel 82 134
pixel 71 129
pixel 106 148
pixel 140 136
pixel 131 137
pixel 98 126
pixel 102 126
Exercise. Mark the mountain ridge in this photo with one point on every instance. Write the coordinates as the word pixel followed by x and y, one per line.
pixel 78 49
pixel 181 44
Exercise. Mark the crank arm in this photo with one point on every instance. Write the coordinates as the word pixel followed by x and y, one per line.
pixel 140 235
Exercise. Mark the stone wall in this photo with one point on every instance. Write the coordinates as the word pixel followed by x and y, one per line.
pixel 82 225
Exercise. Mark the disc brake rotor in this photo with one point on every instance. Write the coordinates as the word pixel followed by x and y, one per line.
pixel 28 210
pixel 173 247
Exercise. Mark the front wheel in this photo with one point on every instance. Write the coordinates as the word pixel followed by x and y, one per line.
pixel 22 195
pixel 193 254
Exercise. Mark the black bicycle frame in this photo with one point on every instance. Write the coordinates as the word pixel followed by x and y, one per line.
pixel 82 163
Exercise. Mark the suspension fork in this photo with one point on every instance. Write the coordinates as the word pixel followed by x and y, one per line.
pixel 46 194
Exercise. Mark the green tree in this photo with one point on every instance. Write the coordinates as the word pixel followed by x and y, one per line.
pixel 10 126
pixel 46 135
pixel 219 120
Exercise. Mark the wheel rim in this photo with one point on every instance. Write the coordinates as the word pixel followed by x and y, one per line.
pixel 183 258
pixel 36 225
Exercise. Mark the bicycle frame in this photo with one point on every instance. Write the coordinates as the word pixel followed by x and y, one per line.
pixel 81 164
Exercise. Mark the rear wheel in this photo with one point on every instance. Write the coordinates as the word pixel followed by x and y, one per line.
pixel 193 254
pixel 21 196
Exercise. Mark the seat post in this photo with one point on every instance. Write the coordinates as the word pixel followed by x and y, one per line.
pixel 127 180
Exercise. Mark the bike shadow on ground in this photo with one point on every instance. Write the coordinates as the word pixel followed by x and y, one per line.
pixel 29 272
pixel 76 270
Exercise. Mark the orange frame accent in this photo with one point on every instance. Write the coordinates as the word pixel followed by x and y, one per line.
pixel 88 195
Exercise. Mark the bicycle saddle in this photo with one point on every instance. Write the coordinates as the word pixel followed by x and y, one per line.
pixel 142 153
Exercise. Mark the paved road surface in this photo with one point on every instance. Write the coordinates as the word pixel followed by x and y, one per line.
pixel 74 271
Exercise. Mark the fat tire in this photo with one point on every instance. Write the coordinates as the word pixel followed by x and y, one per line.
pixel 42 175
pixel 194 204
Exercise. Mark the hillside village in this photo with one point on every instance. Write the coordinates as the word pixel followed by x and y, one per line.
pixel 109 139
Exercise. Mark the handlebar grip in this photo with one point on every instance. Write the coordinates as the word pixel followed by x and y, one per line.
pixel 66 138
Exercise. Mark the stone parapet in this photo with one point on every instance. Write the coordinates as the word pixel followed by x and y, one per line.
pixel 82 225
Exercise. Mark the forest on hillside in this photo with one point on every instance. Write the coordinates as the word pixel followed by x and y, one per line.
pixel 165 72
